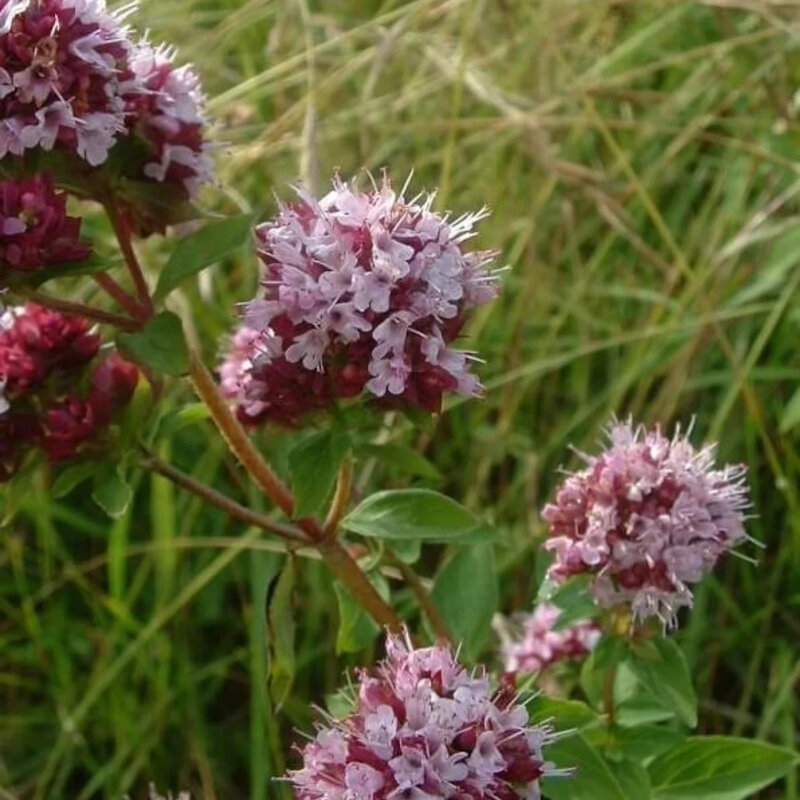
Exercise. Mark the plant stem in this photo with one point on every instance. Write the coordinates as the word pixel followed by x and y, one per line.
pixel 608 695
pixel 421 593
pixel 346 569
pixel 123 233
pixel 336 557
pixel 221 501
pixel 81 310
pixel 237 439
pixel 120 296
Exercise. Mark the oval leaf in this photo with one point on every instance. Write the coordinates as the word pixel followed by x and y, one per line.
pixel 593 778
pixel 467 595
pixel 415 514
pixel 160 345
pixel 661 667
pixel 281 627
pixel 202 248
pixel 402 458
pixel 113 494
pixel 718 768
pixel 314 464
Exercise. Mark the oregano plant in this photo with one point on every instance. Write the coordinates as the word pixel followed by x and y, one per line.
pixel 364 294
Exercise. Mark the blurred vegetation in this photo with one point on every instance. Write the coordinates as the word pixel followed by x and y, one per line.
pixel 641 160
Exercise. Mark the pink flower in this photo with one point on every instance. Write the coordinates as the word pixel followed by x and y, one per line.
pixel 647 517
pixel 72 78
pixel 529 643
pixel 44 361
pixel 368 291
pixel 167 108
pixel 35 342
pixel 425 728
pixel 35 230
pixel 64 62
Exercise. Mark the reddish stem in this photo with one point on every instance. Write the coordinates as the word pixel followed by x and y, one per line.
pixel 333 552
pixel 122 298
pixel 81 310
pixel 122 230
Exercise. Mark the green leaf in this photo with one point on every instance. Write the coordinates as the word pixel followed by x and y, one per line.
pixel 280 623
pixel 643 743
pixel 608 653
pixel 415 514
pixel 467 595
pixel 403 458
pixel 71 477
pixel 202 248
pixel 791 414
pixel 568 714
pixel 633 779
pixel 718 768
pixel 659 664
pixel 575 602
pixel 407 550
pixel 357 629
pixel 112 493
pixel 593 778
pixel 160 345
pixel 314 464
pixel 184 417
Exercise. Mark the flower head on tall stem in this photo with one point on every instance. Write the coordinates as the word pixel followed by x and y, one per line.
pixel 648 517
pixel 425 728
pixel 531 642
pixel 363 292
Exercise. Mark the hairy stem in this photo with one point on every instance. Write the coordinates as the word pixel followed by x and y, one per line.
pixel 336 557
pixel 421 594
pixel 221 501
pixel 237 439
pixel 81 310
pixel 346 569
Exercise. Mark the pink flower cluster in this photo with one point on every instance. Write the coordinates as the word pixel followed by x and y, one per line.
pixel 167 111
pixel 44 355
pixel 423 729
pixel 72 77
pixel 363 291
pixel 529 642
pixel 35 231
pixel 647 517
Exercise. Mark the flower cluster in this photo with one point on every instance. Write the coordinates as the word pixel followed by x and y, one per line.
pixel 35 231
pixel 72 77
pixel 424 728
pixel 167 112
pixel 647 517
pixel 362 291
pixel 44 355
pixel 530 643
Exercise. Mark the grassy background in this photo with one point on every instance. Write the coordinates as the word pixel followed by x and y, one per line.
pixel 641 162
